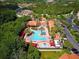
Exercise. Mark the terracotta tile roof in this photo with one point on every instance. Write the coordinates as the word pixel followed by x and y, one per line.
pixel 51 23
pixel 65 56
pixel 32 23
pixel 69 56
pixel 34 44
pixel 74 56
pixel 42 23
pixel 57 36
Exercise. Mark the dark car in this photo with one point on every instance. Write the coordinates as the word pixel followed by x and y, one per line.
pixel 75 51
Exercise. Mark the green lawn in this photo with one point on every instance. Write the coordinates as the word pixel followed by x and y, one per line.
pixel 75 35
pixel 52 54
pixel 68 44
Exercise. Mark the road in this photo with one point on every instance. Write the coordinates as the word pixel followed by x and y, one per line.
pixel 75 27
pixel 71 38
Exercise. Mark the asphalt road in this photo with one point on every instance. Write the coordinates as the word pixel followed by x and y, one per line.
pixel 71 38
pixel 75 27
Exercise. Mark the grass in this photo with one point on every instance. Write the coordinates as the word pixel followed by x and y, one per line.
pixel 68 44
pixel 75 35
pixel 52 54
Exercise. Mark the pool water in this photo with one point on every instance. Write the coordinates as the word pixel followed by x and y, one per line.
pixel 37 35
pixel 43 32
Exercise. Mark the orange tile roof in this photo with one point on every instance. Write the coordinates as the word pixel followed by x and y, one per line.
pixel 42 22
pixel 69 56
pixel 32 23
pixel 64 56
pixel 57 36
pixel 51 23
pixel 74 56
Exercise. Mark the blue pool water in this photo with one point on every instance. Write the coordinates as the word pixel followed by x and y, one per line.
pixel 37 35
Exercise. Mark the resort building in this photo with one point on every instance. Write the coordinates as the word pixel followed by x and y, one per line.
pixel 57 40
pixel 32 23
pixel 40 37
pixel 51 23
pixel 24 13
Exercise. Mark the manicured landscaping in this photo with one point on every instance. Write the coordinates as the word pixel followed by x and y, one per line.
pixel 75 34
pixel 13 29
pixel 68 44
pixel 52 54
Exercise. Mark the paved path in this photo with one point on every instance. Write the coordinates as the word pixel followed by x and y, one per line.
pixel 50 49
pixel 70 38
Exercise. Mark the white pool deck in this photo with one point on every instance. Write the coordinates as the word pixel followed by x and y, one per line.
pixel 45 45
pixel 50 49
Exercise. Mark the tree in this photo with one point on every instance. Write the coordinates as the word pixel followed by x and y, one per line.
pixel 10 46
pixel 33 53
pixel 7 15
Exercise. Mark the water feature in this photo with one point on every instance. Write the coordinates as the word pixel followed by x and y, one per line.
pixel 37 35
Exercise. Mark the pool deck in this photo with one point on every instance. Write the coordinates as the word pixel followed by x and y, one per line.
pixel 43 45
pixel 50 49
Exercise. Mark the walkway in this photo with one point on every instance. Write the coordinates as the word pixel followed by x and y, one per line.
pixel 70 38
pixel 50 49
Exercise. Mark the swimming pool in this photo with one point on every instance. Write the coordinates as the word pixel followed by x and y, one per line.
pixel 37 36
